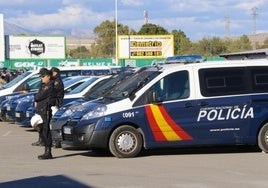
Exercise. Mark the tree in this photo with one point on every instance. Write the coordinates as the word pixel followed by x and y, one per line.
pixel 244 43
pixel 182 44
pixel 79 52
pixel 265 44
pixel 210 47
pixel 105 43
pixel 152 29
pixel 239 45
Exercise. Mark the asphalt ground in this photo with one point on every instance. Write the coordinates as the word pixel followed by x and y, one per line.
pixel 215 167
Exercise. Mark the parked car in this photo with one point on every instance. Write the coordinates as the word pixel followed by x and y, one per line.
pixel 30 80
pixel 17 107
pixel 26 114
pixel 5 100
pixel 80 106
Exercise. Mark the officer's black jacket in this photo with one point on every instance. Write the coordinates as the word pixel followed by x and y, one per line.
pixel 43 97
pixel 58 93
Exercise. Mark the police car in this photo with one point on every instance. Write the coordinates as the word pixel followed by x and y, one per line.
pixel 179 105
pixel 77 108
pixel 23 107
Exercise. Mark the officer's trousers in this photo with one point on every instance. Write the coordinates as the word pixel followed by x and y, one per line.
pixel 45 131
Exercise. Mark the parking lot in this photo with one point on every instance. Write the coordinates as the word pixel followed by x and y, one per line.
pixel 185 168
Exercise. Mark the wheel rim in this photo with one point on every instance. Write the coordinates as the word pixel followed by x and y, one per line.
pixel 266 137
pixel 126 142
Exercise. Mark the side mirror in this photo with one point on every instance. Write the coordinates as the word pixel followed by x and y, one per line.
pixel 23 87
pixel 152 97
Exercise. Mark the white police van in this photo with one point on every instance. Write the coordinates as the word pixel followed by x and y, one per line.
pixel 179 105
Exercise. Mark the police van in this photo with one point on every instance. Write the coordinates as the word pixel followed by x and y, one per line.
pixel 179 105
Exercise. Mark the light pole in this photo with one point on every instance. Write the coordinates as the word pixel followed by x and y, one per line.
pixel 254 14
pixel 116 56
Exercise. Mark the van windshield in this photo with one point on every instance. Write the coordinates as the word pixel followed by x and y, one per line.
pixel 16 80
pixel 128 87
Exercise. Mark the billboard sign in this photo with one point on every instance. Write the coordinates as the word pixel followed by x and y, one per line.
pixel 145 46
pixel 2 39
pixel 36 47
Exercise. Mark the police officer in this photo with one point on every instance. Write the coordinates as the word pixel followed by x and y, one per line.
pixel 58 95
pixel 43 107
pixel 39 142
pixel 58 86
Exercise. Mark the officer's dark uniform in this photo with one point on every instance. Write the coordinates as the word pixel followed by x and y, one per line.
pixel 43 108
pixel 40 142
pixel 58 88
pixel 57 96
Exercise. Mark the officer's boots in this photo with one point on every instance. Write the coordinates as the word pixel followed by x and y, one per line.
pixel 46 155
pixel 39 141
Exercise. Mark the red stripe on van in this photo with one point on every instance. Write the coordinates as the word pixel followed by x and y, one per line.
pixel 158 135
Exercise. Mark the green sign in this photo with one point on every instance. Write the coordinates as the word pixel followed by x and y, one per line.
pixel 24 63
pixel 97 62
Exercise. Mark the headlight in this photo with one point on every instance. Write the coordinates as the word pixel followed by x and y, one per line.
pixel 95 112
pixel 9 97
pixel 69 111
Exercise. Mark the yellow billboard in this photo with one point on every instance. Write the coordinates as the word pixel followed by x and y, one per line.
pixel 145 46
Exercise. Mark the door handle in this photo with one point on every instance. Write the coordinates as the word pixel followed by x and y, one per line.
pixel 188 105
pixel 202 103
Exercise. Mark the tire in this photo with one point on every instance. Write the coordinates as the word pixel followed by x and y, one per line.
pixel 263 138
pixel 125 142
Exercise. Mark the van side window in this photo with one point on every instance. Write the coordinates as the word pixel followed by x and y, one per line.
pixel 172 87
pixel 259 77
pixel 223 81
pixel 175 86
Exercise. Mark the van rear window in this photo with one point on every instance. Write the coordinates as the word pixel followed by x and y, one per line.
pixel 233 80
pixel 259 79
pixel 223 81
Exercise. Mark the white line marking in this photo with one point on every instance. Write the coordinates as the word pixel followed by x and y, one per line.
pixel 7 133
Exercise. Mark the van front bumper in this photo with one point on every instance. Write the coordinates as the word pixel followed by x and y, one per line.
pixel 85 136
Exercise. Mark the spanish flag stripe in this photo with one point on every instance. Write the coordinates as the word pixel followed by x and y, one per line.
pixel 158 135
pixel 163 124
pixel 179 131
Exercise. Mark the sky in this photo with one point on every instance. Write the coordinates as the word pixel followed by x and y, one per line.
pixel 198 19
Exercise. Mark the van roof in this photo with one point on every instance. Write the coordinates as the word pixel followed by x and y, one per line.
pixel 215 64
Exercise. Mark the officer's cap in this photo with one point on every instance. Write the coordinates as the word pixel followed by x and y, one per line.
pixel 55 69
pixel 44 72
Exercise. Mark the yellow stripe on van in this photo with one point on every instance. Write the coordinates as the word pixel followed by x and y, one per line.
pixel 163 125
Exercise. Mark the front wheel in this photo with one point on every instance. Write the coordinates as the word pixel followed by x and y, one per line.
pixel 263 138
pixel 125 142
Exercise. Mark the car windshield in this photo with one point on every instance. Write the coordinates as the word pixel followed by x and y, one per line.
pixel 71 80
pixel 83 86
pixel 103 86
pixel 132 84
pixel 16 80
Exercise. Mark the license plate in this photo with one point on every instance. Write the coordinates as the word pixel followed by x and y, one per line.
pixel 67 130
pixel 17 114
pixel 27 114
pixel 8 108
